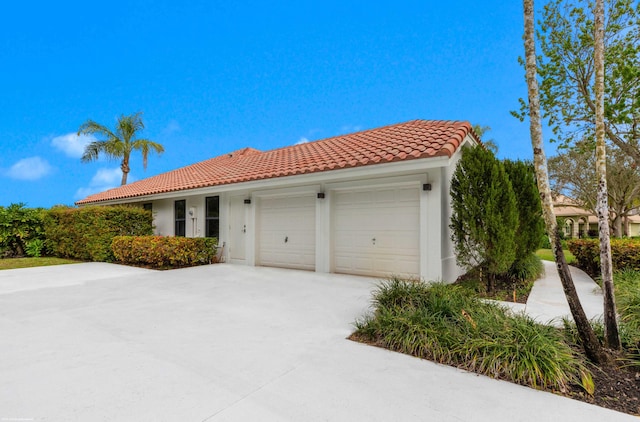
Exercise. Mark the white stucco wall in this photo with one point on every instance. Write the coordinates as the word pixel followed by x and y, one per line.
pixel 437 261
pixel 163 217
pixel 450 268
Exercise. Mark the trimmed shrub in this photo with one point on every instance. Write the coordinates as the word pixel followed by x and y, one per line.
pixel 86 233
pixel 530 223
pixel 625 254
pixel 484 214
pixel 162 252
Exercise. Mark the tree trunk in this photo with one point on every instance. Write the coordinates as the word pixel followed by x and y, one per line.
pixel 625 225
pixel 491 282
pixel 617 230
pixel 20 247
pixel 592 347
pixel 602 208
pixel 125 171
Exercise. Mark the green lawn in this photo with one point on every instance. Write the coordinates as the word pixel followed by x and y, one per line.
pixel 12 263
pixel 547 255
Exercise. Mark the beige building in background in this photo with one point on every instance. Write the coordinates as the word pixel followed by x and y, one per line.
pixel 580 222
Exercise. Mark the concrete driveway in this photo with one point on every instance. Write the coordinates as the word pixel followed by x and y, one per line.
pixel 99 342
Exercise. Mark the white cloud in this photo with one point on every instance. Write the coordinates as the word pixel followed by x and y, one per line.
pixel 302 140
pixel 107 177
pixel 104 179
pixel 72 144
pixel 32 168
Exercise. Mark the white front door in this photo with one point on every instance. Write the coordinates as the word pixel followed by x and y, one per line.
pixel 376 232
pixel 237 230
pixel 287 232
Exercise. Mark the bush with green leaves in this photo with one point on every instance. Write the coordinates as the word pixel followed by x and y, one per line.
pixel 529 268
pixel 162 252
pixel 625 254
pixel 530 231
pixel 484 214
pixel 20 229
pixel 35 247
pixel 86 233
pixel 446 324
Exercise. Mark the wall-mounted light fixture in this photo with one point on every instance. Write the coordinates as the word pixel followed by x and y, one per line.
pixel 320 195
pixel 426 186
pixel 247 201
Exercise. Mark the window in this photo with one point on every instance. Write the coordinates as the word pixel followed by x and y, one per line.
pixel 148 206
pixel 212 216
pixel 180 215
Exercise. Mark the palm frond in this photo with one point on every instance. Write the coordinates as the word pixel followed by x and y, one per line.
pixel 128 126
pixel 145 146
pixel 92 128
pixel 118 144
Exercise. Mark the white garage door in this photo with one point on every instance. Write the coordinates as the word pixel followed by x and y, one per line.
pixel 287 232
pixel 376 232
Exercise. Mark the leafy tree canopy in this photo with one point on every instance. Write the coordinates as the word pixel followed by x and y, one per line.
pixel 567 72
pixel 573 173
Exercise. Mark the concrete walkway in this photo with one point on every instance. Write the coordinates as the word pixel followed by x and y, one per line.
pixel 226 343
pixel 548 304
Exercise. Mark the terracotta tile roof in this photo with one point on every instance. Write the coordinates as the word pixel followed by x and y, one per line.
pixel 403 141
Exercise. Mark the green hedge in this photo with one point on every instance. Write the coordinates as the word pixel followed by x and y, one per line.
pixel 164 252
pixel 625 254
pixel 86 233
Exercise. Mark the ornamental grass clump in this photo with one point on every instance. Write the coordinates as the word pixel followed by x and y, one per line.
pixel 444 323
pixel 627 284
pixel 627 291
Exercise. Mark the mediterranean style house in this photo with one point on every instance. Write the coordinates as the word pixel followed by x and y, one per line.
pixel 579 222
pixel 373 203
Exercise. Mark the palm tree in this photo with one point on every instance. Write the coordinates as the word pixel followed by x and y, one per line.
pixel 119 143
pixel 592 347
pixel 489 144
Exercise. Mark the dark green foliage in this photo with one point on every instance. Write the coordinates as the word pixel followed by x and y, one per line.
pixel 164 252
pixel 625 254
pixel 444 323
pixel 86 233
pixel 544 242
pixel 529 268
pixel 531 225
pixel 21 230
pixel 531 230
pixel 485 216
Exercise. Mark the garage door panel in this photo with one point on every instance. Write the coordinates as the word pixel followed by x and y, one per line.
pixel 376 232
pixel 287 232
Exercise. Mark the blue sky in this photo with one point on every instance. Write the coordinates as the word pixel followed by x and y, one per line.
pixel 212 77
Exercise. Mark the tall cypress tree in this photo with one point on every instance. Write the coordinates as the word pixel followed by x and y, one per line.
pixel 485 217
pixel 531 225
